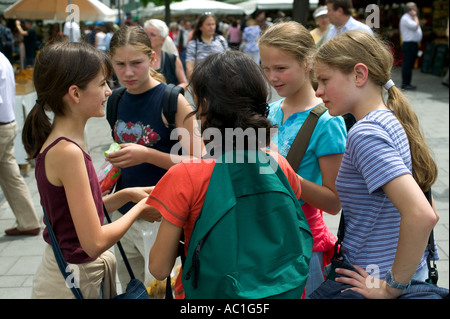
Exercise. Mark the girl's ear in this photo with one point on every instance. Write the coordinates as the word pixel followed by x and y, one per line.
pixel 74 94
pixel 361 74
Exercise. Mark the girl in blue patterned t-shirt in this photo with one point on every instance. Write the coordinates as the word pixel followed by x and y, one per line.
pixel 147 149
pixel 286 50
pixel 385 169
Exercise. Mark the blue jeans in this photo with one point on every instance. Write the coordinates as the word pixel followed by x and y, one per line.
pixel 418 290
pixel 315 277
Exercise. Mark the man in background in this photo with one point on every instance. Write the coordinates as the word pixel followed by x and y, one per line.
pixel 340 14
pixel 411 34
pixel 30 41
pixel 12 183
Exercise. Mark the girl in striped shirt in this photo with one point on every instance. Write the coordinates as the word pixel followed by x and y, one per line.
pixel 385 169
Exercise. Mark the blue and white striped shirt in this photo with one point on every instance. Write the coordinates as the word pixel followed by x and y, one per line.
pixel 197 50
pixel 377 152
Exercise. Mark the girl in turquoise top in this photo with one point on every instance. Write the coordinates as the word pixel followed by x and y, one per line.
pixel 286 50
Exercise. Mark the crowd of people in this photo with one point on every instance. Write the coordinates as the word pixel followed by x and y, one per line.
pixel 373 170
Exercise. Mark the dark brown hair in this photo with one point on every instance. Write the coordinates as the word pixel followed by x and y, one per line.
pixel 58 66
pixel 231 92
pixel 197 32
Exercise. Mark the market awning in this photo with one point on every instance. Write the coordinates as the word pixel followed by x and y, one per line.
pixel 253 5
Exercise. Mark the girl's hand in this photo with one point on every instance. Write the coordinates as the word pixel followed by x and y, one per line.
pixel 367 285
pixel 148 213
pixel 129 155
pixel 138 193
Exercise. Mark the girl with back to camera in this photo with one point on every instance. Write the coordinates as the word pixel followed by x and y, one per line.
pixel 231 93
pixel 142 131
pixel 71 81
pixel 385 170
pixel 286 57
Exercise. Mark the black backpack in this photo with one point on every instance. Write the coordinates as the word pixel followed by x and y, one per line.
pixel 170 100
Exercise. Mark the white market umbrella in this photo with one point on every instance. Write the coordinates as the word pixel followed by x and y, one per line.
pixel 195 7
pixel 252 5
pixel 84 10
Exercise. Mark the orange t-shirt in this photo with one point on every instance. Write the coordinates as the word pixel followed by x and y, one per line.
pixel 181 192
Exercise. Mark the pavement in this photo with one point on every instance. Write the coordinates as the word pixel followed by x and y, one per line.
pixel 20 256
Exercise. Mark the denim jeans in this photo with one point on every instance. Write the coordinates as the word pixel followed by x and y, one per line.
pixel 418 290
pixel 315 277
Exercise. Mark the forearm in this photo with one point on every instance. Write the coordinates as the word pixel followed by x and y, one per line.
pixel 189 68
pixel 415 230
pixel 116 200
pixel 165 160
pixel 111 233
pixel 162 159
pixel 320 196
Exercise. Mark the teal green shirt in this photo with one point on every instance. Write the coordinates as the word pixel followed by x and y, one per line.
pixel 329 137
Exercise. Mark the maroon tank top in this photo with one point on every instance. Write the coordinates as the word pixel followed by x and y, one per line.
pixel 54 201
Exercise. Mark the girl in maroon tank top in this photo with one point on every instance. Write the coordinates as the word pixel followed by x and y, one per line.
pixel 71 81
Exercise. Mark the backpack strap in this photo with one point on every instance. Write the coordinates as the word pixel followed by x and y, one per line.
pixel 111 107
pixel 170 103
pixel 301 141
pixel 433 274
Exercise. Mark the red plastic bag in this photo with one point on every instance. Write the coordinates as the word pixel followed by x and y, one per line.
pixel 107 176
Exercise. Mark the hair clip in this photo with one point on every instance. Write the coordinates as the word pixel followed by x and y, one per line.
pixel 389 84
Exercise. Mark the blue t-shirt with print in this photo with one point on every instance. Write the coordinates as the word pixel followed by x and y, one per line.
pixel 329 137
pixel 139 120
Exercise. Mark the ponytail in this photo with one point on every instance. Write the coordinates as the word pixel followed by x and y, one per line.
pixel 355 46
pixel 423 166
pixel 35 131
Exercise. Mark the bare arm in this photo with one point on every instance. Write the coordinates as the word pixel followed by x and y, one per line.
pixel 66 167
pixel 189 68
pixel 131 194
pixel 165 250
pixel 20 29
pixel 417 220
pixel 325 196
pixel 189 137
pixel 181 76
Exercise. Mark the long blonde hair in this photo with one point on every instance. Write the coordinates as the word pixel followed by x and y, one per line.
pixel 136 37
pixel 293 38
pixel 343 53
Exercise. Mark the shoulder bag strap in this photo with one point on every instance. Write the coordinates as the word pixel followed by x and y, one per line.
pixel 62 264
pixel 119 245
pixel 301 141
pixel 340 237
pixel 433 275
